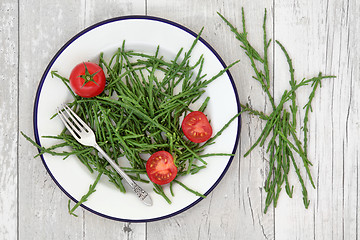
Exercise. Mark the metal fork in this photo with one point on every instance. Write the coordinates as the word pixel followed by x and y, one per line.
pixel 84 135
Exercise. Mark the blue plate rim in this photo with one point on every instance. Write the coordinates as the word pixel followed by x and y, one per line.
pixel 121 18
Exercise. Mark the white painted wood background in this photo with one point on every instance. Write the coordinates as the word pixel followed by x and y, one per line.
pixel 321 35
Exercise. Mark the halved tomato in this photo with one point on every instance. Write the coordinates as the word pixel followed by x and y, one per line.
pixel 196 127
pixel 160 168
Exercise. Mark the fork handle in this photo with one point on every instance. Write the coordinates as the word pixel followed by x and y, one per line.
pixel 141 193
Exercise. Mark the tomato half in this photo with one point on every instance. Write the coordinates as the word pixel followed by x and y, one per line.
pixel 196 127
pixel 160 168
pixel 87 79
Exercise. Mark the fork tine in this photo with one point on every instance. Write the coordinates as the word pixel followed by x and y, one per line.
pixel 74 116
pixel 85 136
pixel 68 125
pixel 75 119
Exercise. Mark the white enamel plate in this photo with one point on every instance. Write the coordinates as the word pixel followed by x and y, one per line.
pixel 141 34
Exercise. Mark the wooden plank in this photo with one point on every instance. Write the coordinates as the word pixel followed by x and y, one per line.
pixel 42 205
pixel 235 207
pixel 96 227
pixel 336 199
pixel 319 37
pixel 254 224
pixel 349 72
pixel 8 118
pixel 341 196
pixel 292 28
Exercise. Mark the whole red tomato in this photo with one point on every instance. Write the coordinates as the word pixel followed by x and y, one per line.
pixel 87 79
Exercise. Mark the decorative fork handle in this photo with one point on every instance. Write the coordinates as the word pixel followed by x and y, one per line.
pixel 141 193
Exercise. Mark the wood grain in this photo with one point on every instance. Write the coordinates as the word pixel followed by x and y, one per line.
pixel 8 119
pixel 338 158
pixel 40 200
pixel 319 36
pixel 292 30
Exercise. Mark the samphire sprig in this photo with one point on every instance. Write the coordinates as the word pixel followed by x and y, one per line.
pixel 279 133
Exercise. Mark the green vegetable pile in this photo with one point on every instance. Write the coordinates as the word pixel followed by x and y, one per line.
pixel 283 143
pixel 139 113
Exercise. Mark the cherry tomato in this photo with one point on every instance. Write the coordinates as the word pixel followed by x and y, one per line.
pixel 196 127
pixel 87 79
pixel 160 168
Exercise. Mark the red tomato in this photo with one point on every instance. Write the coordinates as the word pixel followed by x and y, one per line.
pixel 196 127
pixel 87 79
pixel 160 168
